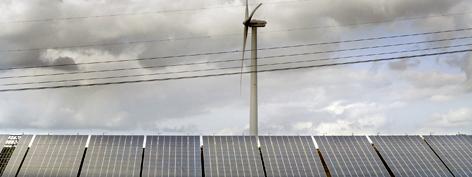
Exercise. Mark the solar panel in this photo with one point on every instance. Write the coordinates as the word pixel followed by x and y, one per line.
pixel 455 151
pixel 17 156
pixel 350 156
pixel 290 156
pixel 4 153
pixel 113 156
pixel 52 156
pixel 172 156
pixel 232 156
pixel 409 156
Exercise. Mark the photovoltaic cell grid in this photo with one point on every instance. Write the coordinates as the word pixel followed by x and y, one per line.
pixel 172 156
pixel 113 156
pixel 350 156
pixel 229 156
pixel 17 156
pixel 409 156
pixel 54 156
pixel 290 156
pixel 455 151
pixel 3 153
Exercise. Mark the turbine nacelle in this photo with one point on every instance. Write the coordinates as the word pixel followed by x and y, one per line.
pixel 255 23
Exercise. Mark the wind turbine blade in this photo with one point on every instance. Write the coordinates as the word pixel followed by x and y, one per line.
pixel 242 59
pixel 253 11
pixel 247 11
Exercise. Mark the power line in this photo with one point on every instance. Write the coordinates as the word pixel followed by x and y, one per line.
pixel 379 22
pixel 233 73
pixel 237 51
pixel 211 36
pixel 216 7
pixel 237 60
pixel 106 44
pixel 74 18
pixel 234 67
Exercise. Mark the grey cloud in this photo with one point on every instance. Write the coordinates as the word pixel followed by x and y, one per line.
pixel 403 64
pixel 20 59
pixel 456 119
pixel 150 105
pixel 464 63
pixel 68 61
pixel 467 68
pixel 352 11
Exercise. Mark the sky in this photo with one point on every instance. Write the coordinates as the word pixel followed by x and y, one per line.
pixel 428 95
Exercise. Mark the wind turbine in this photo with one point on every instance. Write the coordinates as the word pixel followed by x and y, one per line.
pixel 254 24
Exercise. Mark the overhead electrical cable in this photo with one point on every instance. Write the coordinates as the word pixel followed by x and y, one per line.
pixel 74 18
pixel 46 20
pixel 233 73
pixel 136 42
pixel 375 22
pixel 235 60
pixel 238 51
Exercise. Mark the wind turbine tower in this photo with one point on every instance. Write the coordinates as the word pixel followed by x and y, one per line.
pixel 254 24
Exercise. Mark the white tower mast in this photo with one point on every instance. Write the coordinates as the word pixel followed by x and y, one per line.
pixel 254 24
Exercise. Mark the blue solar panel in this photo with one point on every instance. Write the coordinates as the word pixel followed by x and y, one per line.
pixel 350 156
pixel 57 155
pixel 172 156
pixel 113 156
pixel 455 151
pixel 5 154
pixel 409 156
pixel 290 156
pixel 17 156
pixel 232 156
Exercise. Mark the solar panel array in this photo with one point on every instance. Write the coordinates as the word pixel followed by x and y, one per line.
pixel 290 156
pixel 229 156
pixel 54 156
pixel 455 151
pixel 17 156
pixel 409 156
pixel 113 156
pixel 350 156
pixel 172 156
pixel 239 156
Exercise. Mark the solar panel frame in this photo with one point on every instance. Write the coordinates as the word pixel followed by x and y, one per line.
pixel 169 155
pixel 409 156
pixel 113 155
pixel 455 151
pixel 54 156
pixel 290 156
pixel 17 156
pixel 362 158
pixel 232 156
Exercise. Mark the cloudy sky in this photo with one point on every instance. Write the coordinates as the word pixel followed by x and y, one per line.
pixel 418 95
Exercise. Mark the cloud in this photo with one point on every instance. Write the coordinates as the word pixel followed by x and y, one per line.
pixel 340 126
pixel 323 100
pixel 461 117
pixel 65 61
pixel 441 98
pixel 361 117
pixel 464 63
pixel 403 64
